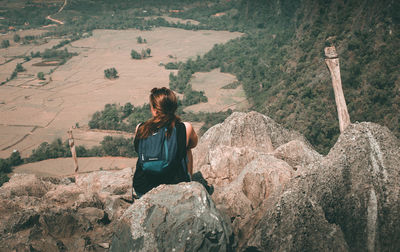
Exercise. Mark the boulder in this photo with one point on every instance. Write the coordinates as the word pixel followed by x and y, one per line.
pixel 225 149
pixel 51 214
pixel 350 201
pixel 173 218
pixel 226 163
pixel 262 178
pixel 298 155
pixel 24 185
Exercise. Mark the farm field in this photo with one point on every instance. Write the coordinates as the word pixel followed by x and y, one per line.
pixel 219 99
pixel 65 166
pixel 33 111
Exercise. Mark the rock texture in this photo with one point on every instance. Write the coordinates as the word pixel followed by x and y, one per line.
pixel 236 157
pixel 272 192
pixel 349 202
pixel 261 179
pixel 298 154
pixel 173 218
pixel 56 214
pixel 225 149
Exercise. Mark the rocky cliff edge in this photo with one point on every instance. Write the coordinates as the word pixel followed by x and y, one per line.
pixel 272 192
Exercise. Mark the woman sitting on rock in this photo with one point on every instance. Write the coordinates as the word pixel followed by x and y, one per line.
pixel 164 145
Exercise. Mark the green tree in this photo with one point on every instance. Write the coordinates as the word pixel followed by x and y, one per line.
pixel 16 38
pixel 135 55
pixel 127 110
pixel 40 76
pixel 15 159
pixel 19 68
pixel 111 73
pixel 139 40
pixel 3 178
pixel 5 43
pixel 148 51
pixel 5 166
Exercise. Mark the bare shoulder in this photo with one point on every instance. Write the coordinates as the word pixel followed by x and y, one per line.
pixel 137 127
pixel 191 136
pixel 188 126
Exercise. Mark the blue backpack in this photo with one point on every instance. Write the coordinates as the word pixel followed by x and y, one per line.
pixel 157 152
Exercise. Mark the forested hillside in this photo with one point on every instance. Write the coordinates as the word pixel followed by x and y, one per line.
pixel 281 62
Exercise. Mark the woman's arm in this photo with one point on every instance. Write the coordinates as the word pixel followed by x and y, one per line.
pixel 191 142
pixel 191 136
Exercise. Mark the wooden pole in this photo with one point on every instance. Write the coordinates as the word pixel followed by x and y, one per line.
pixel 332 61
pixel 73 151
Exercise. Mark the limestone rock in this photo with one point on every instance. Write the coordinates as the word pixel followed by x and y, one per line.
pixel 350 202
pixel 298 154
pixel 295 223
pixel 24 185
pixel 173 218
pixel 52 214
pixel 226 148
pixel 226 163
pixel 260 179
pixel 360 187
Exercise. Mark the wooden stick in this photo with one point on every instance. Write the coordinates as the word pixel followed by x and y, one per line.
pixel 73 151
pixel 332 61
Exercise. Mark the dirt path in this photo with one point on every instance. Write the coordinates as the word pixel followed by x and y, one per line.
pixel 56 20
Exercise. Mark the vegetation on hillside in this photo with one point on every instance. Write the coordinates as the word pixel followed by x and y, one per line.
pixel 280 60
pixel 116 117
pixel 127 117
pixel 110 146
pixel 7 164
pixel 281 63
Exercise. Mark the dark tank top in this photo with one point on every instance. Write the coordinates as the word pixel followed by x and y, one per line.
pixel 144 182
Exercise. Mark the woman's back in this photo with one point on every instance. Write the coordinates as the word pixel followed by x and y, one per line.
pixel 163 105
pixel 176 171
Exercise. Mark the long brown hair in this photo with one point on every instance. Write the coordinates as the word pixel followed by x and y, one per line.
pixel 164 103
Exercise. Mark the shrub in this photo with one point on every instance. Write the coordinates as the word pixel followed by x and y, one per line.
pixel 135 55
pixel 40 76
pixel 5 43
pixel 111 73
pixel 19 68
pixel 16 38
pixel 172 65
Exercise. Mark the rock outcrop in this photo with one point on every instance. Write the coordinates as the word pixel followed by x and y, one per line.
pixel 272 192
pixel 173 218
pixel 237 158
pixel 348 202
pixel 57 214
pixel 225 149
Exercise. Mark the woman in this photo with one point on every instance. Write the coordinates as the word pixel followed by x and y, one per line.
pixel 163 105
